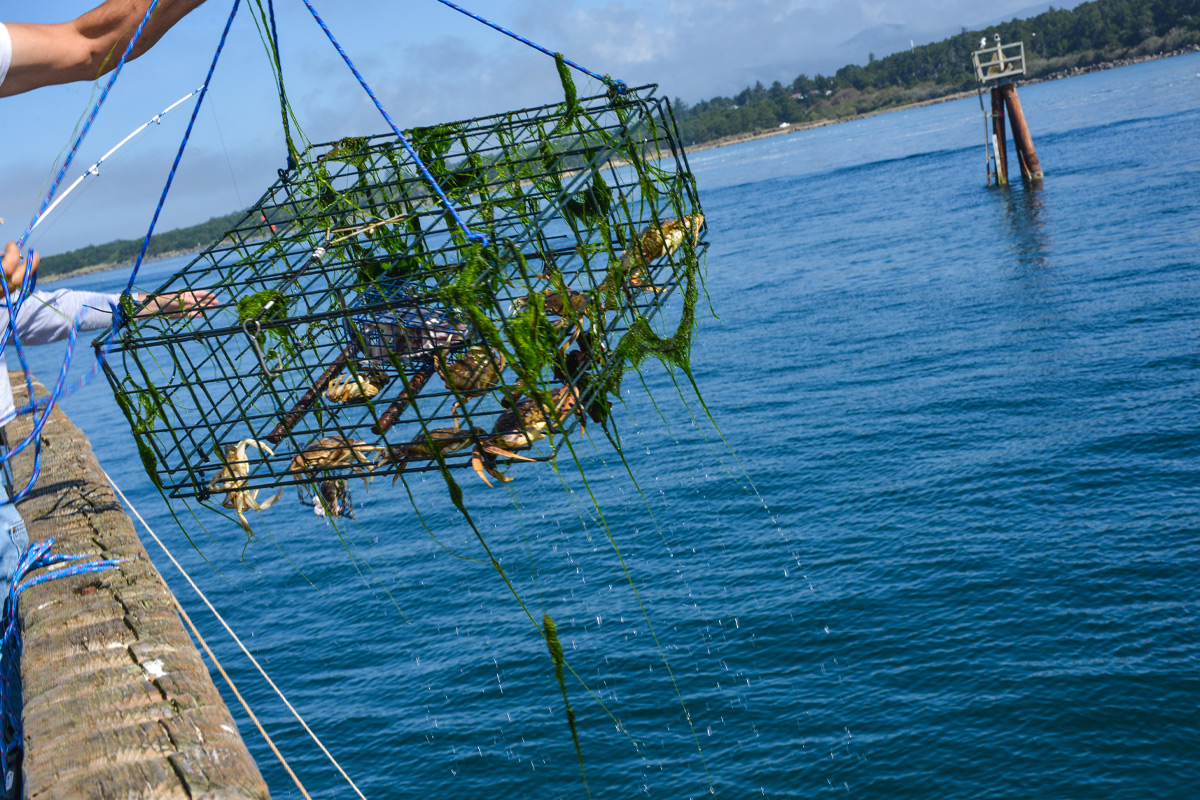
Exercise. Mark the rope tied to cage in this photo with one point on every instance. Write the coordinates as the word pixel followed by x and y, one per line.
pixel 182 147
pixel 451 209
pixel 615 86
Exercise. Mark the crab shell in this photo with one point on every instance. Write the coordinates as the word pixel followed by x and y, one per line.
pixel 332 451
pixel 518 428
pixel 356 388
pixel 474 373
pixel 660 240
pixel 556 304
pixel 440 441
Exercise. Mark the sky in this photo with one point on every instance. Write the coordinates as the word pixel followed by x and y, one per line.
pixel 427 62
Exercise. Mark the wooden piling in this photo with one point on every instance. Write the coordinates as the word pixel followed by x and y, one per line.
pixel 1031 168
pixel 999 137
pixel 997 67
pixel 117 702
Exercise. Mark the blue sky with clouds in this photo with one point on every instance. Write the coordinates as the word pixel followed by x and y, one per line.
pixel 429 64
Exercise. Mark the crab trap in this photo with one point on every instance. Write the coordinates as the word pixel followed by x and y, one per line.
pixel 369 324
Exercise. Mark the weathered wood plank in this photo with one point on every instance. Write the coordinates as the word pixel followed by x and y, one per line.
pixel 118 703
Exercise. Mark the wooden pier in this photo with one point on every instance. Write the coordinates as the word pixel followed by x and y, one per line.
pixel 117 702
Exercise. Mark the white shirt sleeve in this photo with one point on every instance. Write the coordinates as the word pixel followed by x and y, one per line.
pixel 5 51
pixel 48 316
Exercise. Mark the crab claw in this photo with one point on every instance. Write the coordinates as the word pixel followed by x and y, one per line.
pixel 241 515
pixel 477 464
pixel 480 464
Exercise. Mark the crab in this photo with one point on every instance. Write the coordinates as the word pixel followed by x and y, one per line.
pixel 520 425
pixel 473 374
pixel 428 446
pixel 356 388
pixel 331 452
pixel 563 308
pixel 657 241
pixel 233 477
pixel 332 498
pixel 556 302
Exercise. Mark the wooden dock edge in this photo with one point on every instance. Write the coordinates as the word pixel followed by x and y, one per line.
pixel 117 701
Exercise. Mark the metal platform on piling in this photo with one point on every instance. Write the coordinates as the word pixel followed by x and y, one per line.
pixel 117 702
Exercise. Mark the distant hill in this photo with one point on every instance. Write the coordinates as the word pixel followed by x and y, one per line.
pixel 125 251
pixel 1056 41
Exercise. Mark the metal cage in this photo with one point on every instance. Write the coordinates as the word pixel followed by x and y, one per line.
pixel 350 301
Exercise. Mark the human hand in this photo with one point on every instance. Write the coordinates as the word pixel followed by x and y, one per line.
pixel 14 266
pixel 178 304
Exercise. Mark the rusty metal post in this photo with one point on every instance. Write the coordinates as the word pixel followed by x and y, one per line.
pixel 999 137
pixel 1031 169
pixel 306 402
pixel 414 385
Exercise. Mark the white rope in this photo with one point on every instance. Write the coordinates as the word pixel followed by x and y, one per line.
pixel 221 619
pixel 216 663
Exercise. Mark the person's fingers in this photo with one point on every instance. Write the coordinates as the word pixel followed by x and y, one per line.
pixel 15 266
pixel 200 300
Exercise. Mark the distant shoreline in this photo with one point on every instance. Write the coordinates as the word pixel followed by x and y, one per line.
pixel 75 273
pixel 743 137
pixel 795 127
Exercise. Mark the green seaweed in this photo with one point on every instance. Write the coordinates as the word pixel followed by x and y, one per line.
pixel 350 149
pixel 556 655
pixel 571 106
pixel 265 306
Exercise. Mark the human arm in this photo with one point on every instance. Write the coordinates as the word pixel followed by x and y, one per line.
pixel 48 316
pixel 67 303
pixel 87 47
pixel 192 303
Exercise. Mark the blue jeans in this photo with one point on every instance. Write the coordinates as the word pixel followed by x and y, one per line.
pixel 13 541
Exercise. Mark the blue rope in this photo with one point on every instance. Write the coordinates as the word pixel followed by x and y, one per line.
pixel 29 280
pixel 618 86
pixel 84 380
pixel 35 436
pixel 46 404
pixel 28 283
pixel 437 189
pixel 182 146
pixel 37 556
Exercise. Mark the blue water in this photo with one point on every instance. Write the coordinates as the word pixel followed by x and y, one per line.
pixel 965 566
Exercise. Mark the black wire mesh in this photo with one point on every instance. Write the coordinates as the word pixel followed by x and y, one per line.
pixel 361 332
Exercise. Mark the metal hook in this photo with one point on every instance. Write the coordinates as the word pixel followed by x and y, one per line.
pixel 253 337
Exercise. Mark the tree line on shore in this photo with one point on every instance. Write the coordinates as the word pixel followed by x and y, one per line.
pixel 125 251
pixel 1057 40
